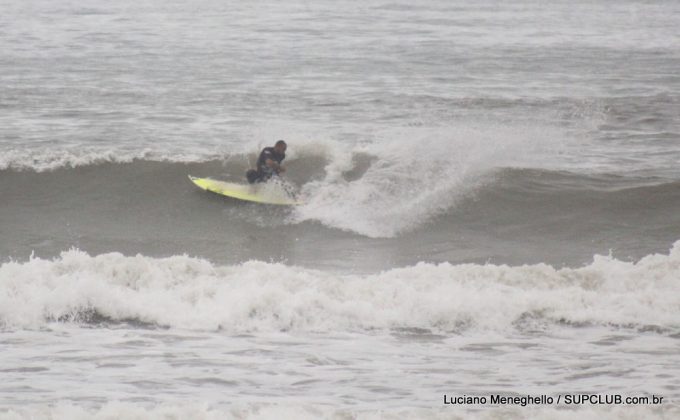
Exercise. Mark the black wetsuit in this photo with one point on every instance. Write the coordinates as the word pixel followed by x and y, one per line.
pixel 264 172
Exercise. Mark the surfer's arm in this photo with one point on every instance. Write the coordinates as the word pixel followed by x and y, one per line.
pixel 274 165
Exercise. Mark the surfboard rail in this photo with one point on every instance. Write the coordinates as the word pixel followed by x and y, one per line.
pixel 246 192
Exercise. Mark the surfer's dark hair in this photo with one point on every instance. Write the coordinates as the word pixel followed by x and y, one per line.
pixel 281 143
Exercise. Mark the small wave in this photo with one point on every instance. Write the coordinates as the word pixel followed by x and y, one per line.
pixel 192 293
pixel 47 159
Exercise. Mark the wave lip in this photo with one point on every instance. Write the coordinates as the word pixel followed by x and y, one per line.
pixel 185 292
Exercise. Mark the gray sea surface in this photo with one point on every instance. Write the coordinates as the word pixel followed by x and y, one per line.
pixel 491 194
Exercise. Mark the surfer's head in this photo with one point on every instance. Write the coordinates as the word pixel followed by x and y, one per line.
pixel 280 147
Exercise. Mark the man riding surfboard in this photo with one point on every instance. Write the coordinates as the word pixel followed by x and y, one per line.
pixel 269 163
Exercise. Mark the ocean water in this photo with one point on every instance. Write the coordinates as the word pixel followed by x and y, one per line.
pixel 491 208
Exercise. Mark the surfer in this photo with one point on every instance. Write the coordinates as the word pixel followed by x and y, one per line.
pixel 269 163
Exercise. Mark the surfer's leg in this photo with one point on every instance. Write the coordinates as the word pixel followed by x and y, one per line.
pixel 252 176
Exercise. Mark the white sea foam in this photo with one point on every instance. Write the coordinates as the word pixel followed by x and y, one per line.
pixel 192 293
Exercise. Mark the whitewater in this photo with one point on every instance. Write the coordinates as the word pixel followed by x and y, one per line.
pixel 190 293
pixel 490 190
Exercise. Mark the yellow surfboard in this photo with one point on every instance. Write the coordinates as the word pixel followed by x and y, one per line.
pixel 265 193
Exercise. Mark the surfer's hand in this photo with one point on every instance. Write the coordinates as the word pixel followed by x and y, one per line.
pixel 282 169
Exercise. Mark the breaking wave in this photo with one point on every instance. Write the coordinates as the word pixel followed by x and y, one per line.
pixel 192 293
